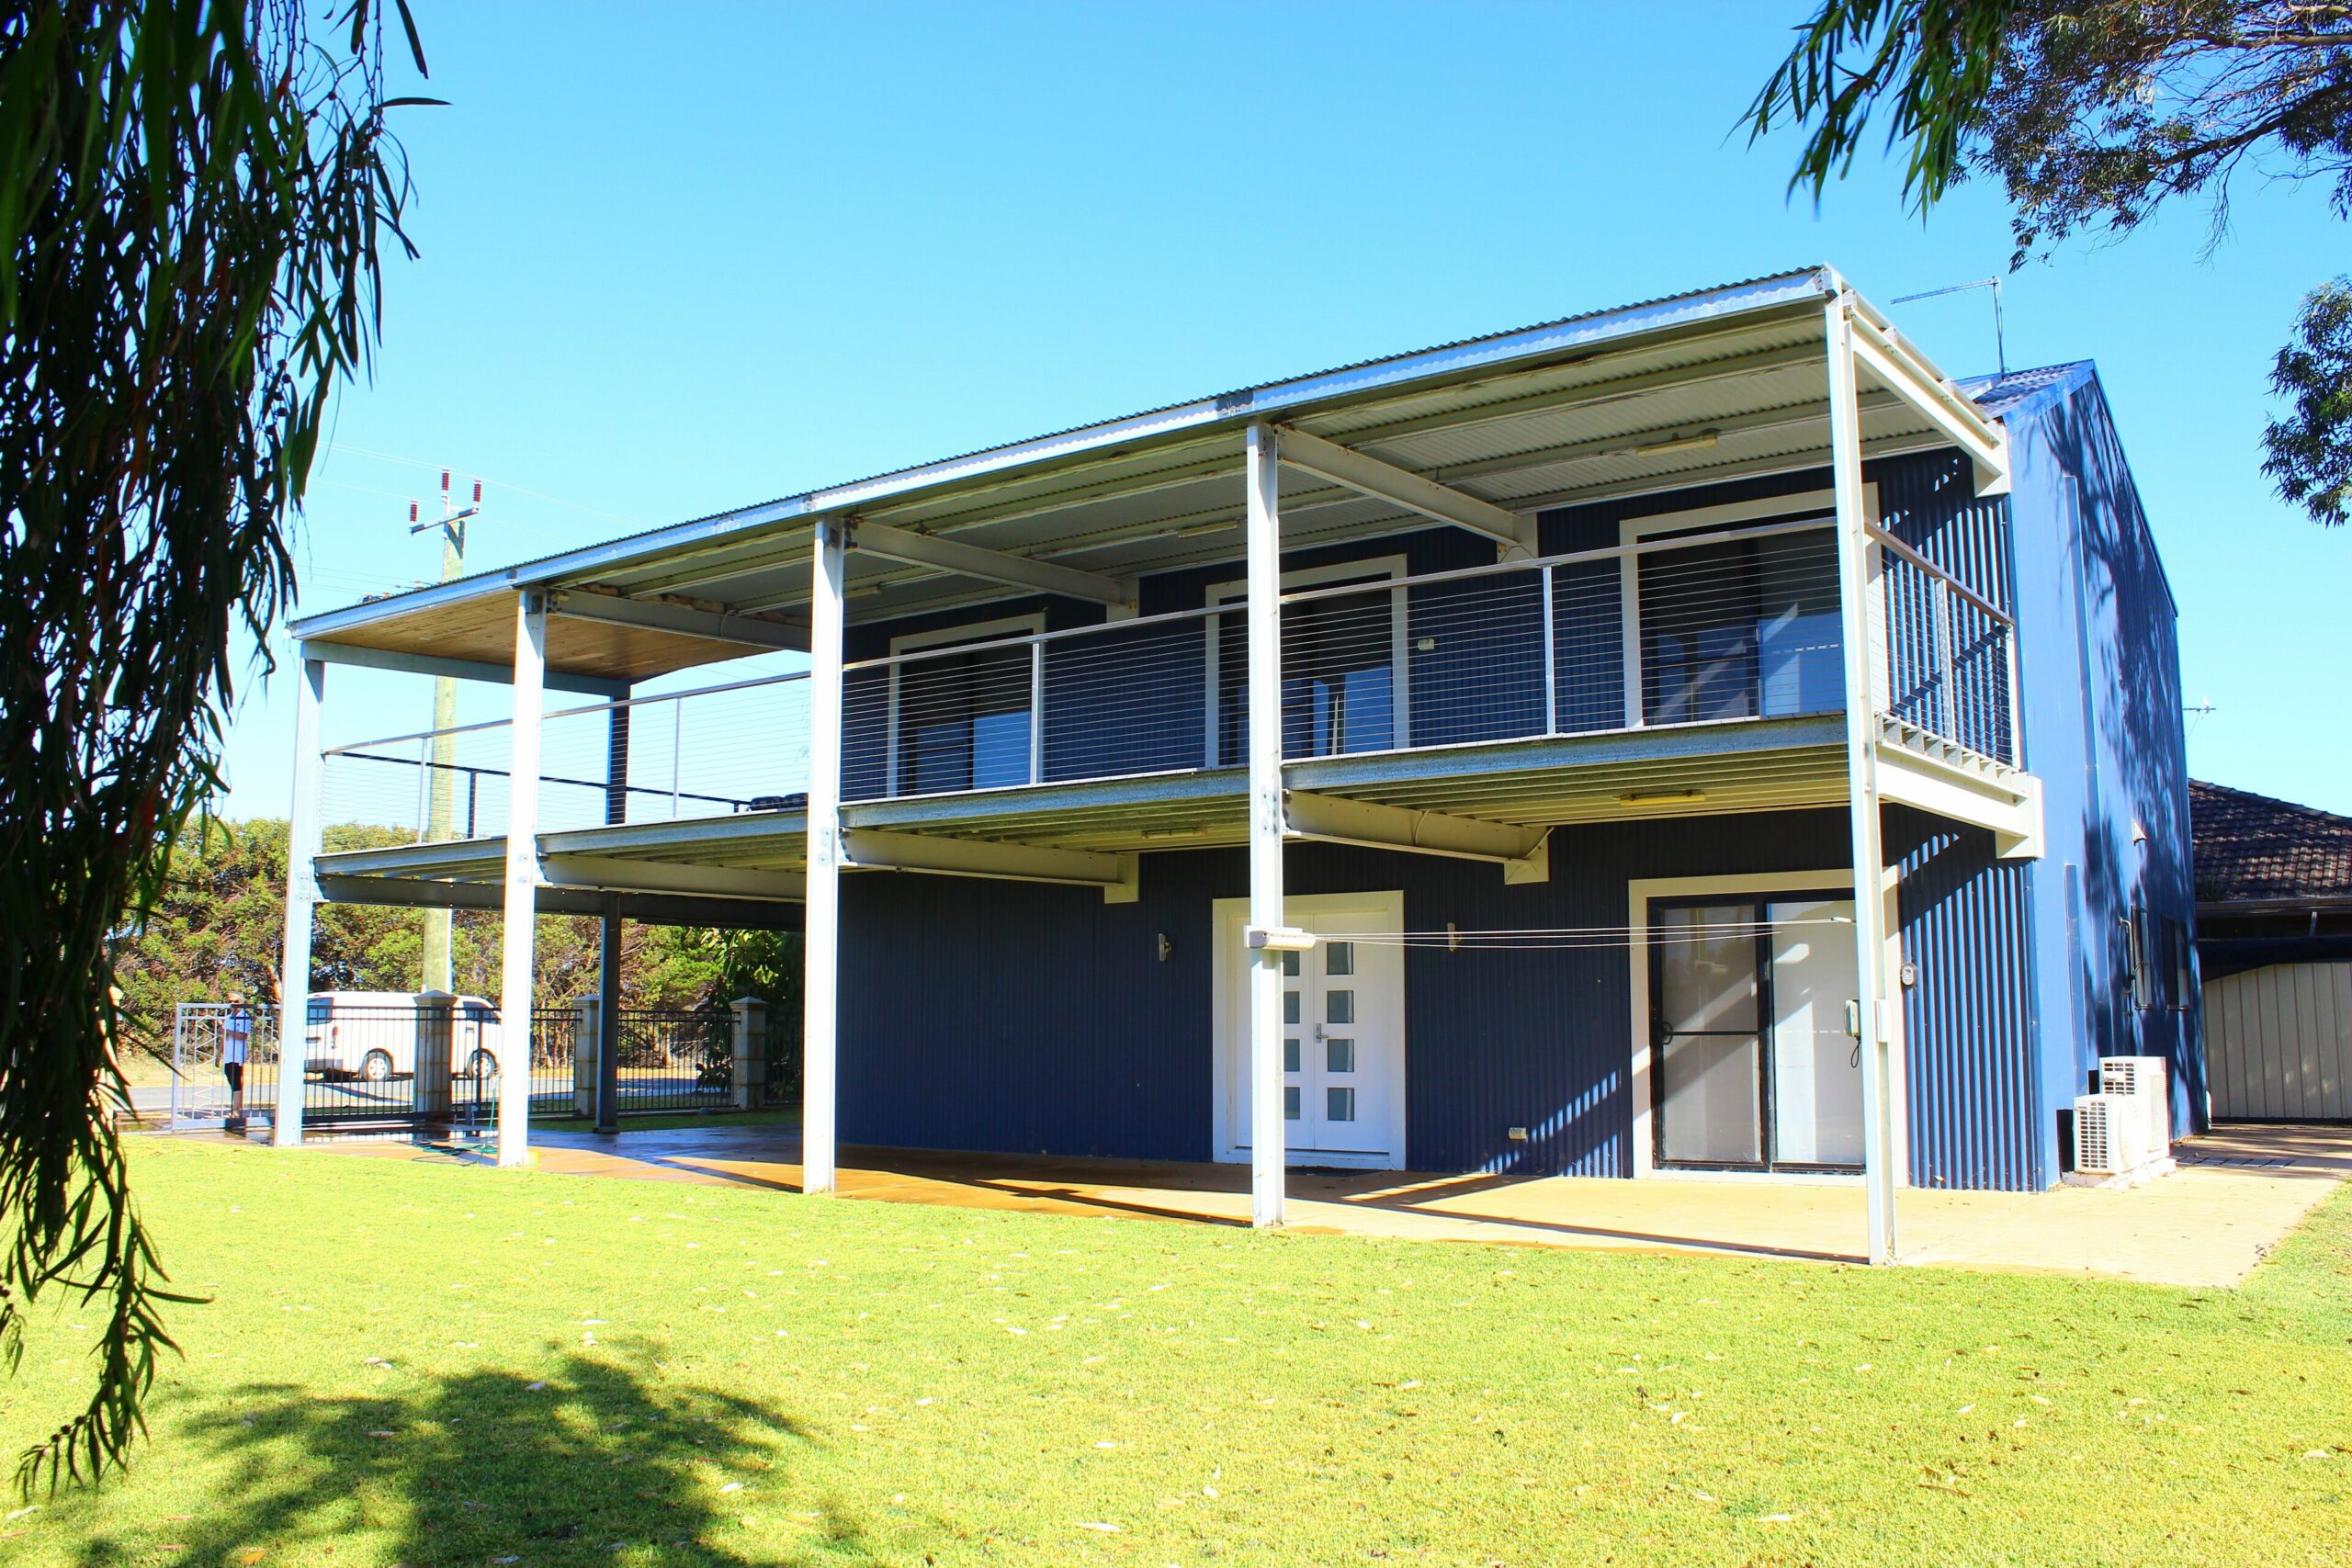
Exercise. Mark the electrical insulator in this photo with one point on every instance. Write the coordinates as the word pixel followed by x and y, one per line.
pixel 445 482
pixel 477 492
pixel 412 512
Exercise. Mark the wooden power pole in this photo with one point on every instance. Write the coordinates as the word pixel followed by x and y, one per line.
pixel 439 966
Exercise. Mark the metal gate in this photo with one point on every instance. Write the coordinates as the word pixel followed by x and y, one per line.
pixel 207 1037
pixel 361 1066
pixel 675 1059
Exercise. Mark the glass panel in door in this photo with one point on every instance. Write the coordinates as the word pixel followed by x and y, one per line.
pixel 1294 1058
pixel 964 721
pixel 1698 618
pixel 1741 629
pixel 1706 1023
pixel 1336 1039
pixel 1339 678
pixel 1816 1063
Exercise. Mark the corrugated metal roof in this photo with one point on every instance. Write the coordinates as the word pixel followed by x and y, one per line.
pixel 1685 389
pixel 1469 359
pixel 2004 393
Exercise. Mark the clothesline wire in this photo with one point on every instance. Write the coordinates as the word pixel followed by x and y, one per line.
pixel 1577 938
pixel 1701 928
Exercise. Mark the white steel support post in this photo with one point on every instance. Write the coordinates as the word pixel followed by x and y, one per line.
pixel 1268 1135
pixel 1036 712
pixel 1858 568
pixel 522 903
pixel 1550 662
pixel 820 942
pixel 304 838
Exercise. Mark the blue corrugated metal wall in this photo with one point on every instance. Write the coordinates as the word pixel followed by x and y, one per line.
pixel 2103 731
pixel 1002 1016
pixel 1968 1020
pixel 994 1015
pixel 1007 1017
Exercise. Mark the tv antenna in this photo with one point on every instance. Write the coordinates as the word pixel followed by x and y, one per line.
pixel 2000 348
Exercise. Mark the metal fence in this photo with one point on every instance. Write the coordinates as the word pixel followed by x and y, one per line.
pixel 673 1060
pixel 388 1067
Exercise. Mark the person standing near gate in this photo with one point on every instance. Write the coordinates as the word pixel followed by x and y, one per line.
pixel 236 1038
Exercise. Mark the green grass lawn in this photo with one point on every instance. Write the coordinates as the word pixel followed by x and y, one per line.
pixel 430 1364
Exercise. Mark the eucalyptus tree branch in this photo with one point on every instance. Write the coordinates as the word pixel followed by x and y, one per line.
pixel 192 195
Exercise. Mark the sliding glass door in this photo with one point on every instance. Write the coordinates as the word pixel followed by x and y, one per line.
pixel 1753 1063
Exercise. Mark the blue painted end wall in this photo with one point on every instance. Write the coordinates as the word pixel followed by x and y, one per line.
pixel 2100 668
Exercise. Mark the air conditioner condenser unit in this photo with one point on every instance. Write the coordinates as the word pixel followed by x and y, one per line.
pixel 2111 1135
pixel 2141 1079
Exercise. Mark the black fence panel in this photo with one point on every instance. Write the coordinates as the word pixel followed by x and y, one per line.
pixel 675 1059
pixel 784 1056
pixel 396 1068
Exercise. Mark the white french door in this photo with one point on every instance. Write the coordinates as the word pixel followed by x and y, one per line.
pixel 1343 1032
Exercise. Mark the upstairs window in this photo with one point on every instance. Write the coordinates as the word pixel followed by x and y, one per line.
pixel 962 719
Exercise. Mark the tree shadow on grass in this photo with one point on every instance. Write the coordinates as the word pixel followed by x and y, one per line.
pixel 590 1465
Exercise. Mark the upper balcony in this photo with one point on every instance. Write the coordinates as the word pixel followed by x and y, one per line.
pixel 1052 634
pixel 1671 676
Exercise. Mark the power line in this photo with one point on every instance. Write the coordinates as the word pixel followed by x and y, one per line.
pixel 483 479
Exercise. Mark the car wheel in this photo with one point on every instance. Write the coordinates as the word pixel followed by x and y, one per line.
pixel 481 1065
pixel 377 1068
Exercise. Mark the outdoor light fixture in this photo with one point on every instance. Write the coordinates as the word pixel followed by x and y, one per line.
pixel 1693 443
pixel 1638 796
pixel 1166 947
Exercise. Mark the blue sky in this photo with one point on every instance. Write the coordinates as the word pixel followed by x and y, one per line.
pixel 673 269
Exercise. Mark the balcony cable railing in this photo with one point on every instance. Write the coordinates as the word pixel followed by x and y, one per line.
pixel 598 764
pixel 1664 631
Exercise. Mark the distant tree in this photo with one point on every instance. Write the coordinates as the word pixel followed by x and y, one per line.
pixel 212 933
pixel 192 196
pixel 2092 114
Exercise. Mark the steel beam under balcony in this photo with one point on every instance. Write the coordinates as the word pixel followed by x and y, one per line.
pixel 1402 487
pixel 995 565
pixel 681 620
pixel 454 668
pixel 866 850
pixel 2002 800
pixel 650 908
pixel 614 874
pixel 1338 820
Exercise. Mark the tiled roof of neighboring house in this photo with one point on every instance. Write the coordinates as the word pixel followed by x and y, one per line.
pixel 2252 849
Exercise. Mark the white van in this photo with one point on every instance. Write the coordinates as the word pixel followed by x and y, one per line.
pixel 371 1036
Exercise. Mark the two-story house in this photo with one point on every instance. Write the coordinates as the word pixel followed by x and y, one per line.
pixel 1684 740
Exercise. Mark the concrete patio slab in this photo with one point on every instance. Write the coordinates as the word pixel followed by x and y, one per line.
pixel 2237 1192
